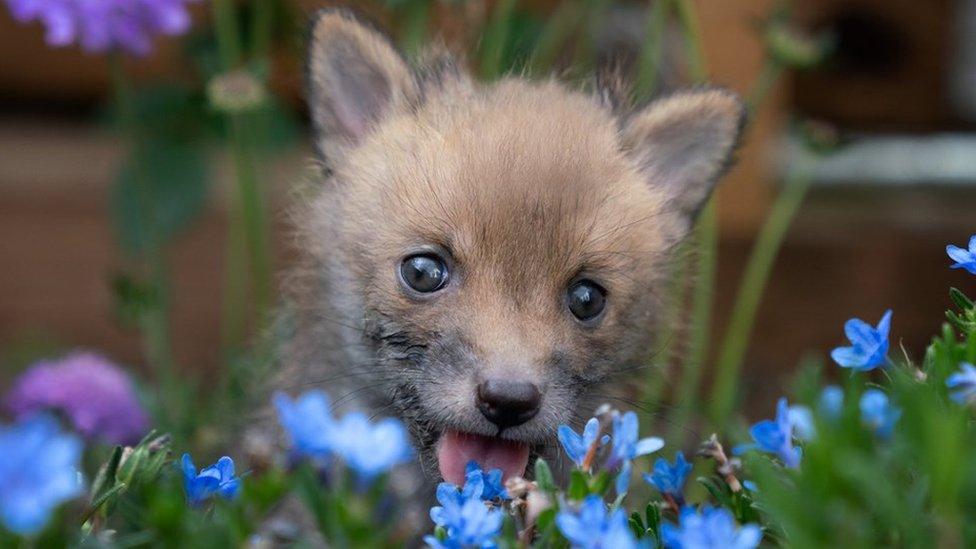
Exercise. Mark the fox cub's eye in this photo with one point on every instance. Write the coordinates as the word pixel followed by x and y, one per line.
pixel 586 299
pixel 424 273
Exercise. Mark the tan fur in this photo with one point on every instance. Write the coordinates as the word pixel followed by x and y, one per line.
pixel 524 187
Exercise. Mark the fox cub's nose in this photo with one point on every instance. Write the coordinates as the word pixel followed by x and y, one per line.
pixel 508 403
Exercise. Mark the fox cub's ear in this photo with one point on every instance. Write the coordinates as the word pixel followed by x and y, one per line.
pixel 355 78
pixel 684 142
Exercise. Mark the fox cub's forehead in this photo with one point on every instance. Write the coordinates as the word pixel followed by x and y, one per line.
pixel 535 168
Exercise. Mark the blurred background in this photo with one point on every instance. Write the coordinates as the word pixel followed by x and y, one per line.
pixel 897 89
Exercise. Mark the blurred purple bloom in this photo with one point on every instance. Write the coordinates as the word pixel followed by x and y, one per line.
pixel 39 466
pixel 93 393
pixel 103 25
pixel 964 259
pixel 869 345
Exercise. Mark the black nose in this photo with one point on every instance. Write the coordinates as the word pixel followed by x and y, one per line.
pixel 508 403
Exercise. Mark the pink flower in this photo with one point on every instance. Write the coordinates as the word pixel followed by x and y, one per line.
pixel 94 394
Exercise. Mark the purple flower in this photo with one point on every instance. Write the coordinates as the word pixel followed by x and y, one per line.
pixel 103 25
pixel 869 345
pixel 964 259
pixel 93 393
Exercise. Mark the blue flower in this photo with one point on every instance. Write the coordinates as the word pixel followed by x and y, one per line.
pixel 831 402
pixel 370 449
pixel 622 482
pixel 670 479
pixel 578 446
pixel 468 521
pixel 490 481
pixel 878 413
pixel 964 383
pixel 714 528
pixel 593 528
pixel 308 422
pixel 776 436
pixel 625 444
pixel 38 471
pixel 964 259
pixel 801 418
pixel 869 346
pixel 217 479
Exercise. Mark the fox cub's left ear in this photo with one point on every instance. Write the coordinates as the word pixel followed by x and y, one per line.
pixel 684 142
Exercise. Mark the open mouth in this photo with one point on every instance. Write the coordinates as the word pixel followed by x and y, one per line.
pixel 455 449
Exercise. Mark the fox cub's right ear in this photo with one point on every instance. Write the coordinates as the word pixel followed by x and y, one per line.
pixel 355 79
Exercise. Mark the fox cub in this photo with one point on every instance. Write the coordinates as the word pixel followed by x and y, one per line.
pixel 478 258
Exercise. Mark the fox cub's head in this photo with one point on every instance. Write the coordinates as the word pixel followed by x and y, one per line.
pixel 492 250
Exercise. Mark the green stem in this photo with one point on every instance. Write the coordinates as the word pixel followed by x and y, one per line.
pixel 251 226
pixel 154 320
pixel 665 342
pixel 495 39
pixel 415 24
pixel 693 40
pixel 262 27
pixel 652 51
pixel 563 23
pixel 737 335
pixel 701 315
pixel 765 82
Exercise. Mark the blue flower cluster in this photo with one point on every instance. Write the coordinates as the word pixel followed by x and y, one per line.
pixel 369 449
pixel 39 470
pixel 582 448
pixel 713 528
pixel 464 514
pixel 592 527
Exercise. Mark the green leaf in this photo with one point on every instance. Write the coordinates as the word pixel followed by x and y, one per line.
pixel 159 191
pixel 578 488
pixel 543 476
pixel 960 299
pixel 600 483
pixel 652 517
pixel 105 478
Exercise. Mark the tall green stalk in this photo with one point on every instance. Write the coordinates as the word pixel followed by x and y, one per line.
pixel 706 247
pixel 154 316
pixel 737 336
pixel 495 38
pixel 248 254
pixel 652 51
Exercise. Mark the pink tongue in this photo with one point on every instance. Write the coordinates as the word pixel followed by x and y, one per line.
pixel 456 449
